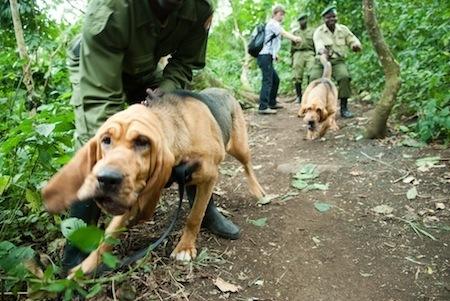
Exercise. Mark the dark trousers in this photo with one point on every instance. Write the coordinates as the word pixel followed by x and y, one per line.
pixel 270 82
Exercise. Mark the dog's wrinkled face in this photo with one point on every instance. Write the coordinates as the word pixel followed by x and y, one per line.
pixel 117 179
pixel 312 115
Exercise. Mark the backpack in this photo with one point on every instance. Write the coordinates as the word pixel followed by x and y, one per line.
pixel 256 43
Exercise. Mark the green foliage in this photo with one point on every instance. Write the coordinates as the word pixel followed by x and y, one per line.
pixel 419 42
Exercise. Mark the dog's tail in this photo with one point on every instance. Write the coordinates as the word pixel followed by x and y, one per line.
pixel 326 68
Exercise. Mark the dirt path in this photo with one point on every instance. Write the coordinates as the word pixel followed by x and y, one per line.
pixel 348 252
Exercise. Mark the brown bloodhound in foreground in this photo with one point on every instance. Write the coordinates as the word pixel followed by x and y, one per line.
pixel 319 105
pixel 125 166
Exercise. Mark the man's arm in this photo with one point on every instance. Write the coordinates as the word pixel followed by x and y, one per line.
pixel 319 45
pixel 102 54
pixel 190 55
pixel 290 36
pixel 352 41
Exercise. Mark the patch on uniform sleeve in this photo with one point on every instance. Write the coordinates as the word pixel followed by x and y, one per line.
pixel 97 16
pixel 208 22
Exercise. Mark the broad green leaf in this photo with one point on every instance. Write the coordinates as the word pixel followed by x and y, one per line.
pixel 97 288
pixel 4 183
pixel 411 194
pixel 110 260
pixel 45 129
pixel 260 222
pixel 57 286
pixel 68 226
pixel 87 238
pixel 33 199
pixel 322 207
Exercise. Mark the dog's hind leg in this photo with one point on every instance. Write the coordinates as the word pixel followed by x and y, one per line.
pixel 238 148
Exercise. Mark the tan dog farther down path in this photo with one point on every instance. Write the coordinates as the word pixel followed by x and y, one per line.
pixel 125 166
pixel 319 105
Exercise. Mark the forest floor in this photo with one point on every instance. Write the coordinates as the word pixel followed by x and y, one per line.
pixel 379 229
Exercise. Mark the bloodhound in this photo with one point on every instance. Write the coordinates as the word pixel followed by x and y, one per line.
pixel 125 166
pixel 319 105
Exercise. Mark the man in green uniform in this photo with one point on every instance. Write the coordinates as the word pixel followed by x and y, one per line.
pixel 116 59
pixel 302 54
pixel 332 41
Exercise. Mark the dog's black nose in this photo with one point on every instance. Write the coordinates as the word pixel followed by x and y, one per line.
pixel 109 179
pixel 311 124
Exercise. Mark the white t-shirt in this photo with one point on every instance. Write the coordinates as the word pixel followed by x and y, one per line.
pixel 273 27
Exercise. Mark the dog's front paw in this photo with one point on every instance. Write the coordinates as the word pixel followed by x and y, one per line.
pixel 184 253
pixel 334 128
pixel 72 271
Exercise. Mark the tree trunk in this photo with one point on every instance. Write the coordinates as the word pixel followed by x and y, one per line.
pixel 376 127
pixel 18 30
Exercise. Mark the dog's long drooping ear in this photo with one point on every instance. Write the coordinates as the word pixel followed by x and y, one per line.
pixel 301 112
pixel 61 191
pixel 323 114
pixel 161 164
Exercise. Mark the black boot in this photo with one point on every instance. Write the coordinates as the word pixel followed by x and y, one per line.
pixel 345 113
pixel 213 220
pixel 89 212
pixel 298 91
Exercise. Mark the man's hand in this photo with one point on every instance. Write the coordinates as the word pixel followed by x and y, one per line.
pixel 297 39
pixel 152 94
pixel 356 47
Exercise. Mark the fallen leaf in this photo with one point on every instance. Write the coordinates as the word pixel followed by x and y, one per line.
pixel 430 219
pixel 316 240
pixel 365 274
pixel 299 184
pixel 260 222
pixel 411 194
pixel 355 173
pixel 412 143
pixel 424 164
pixel 383 209
pixel 259 282
pixel 317 186
pixel 408 179
pixel 225 286
pixel 267 199
pixel 439 206
pixel 322 207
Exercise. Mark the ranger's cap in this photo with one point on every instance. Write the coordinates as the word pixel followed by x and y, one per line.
pixel 328 9
pixel 301 16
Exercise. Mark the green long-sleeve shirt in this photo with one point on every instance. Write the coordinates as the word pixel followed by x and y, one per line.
pixel 122 42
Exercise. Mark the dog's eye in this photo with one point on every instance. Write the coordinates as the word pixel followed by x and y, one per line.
pixel 106 140
pixel 141 142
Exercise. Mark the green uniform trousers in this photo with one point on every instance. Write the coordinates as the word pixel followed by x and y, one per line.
pixel 339 73
pixel 302 60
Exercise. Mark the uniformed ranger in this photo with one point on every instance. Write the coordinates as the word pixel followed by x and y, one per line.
pixel 116 59
pixel 302 54
pixel 332 41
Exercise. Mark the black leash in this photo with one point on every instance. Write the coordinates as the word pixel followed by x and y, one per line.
pixel 181 174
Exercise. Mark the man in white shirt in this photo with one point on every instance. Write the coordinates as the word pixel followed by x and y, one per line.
pixel 272 42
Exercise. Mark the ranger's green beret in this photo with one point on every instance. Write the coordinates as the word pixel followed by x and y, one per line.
pixel 301 16
pixel 329 9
